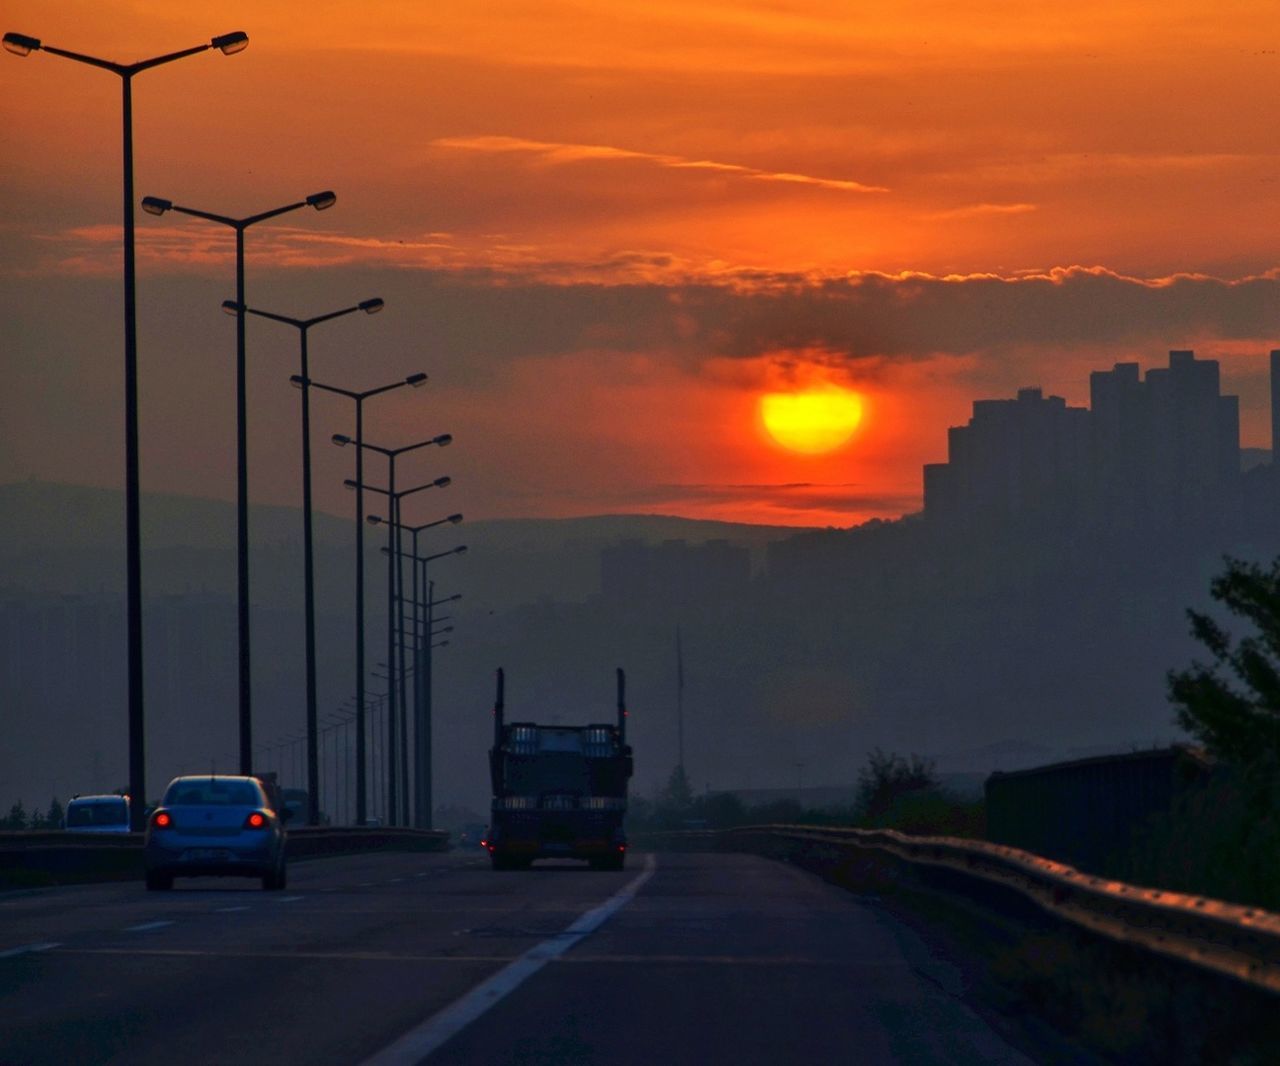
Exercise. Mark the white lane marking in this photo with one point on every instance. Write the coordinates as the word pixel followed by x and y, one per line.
pixel 145 926
pixel 288 899
pixel 395 880
pixel 418 1043
pixel 420 875
pixel 229 910
pixel 25 948
pixel 365 884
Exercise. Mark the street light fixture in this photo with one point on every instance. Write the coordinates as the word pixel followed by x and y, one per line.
pixel 421 699
pixel 228 43
pixel 394 583
pixel 157 206
pixel 303 326
pixel 422 669
pixel 414 381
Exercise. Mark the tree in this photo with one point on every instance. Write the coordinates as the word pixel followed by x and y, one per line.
pixel 1240 721
pixel 887 777
pixel 17 817
pixel 678 794
pixel 53 820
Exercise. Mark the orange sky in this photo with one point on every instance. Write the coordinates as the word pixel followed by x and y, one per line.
pixel 605 228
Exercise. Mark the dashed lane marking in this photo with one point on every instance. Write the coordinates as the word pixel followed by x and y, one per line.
pixel 288 899
pixel 762 961
pixel 26 949
pixel 229 910
pixel 145 926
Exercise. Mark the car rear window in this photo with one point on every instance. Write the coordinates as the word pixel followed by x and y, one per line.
pixel 214 793
pixel 100 813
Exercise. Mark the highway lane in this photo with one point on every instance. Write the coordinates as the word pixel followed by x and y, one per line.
pixel 717 958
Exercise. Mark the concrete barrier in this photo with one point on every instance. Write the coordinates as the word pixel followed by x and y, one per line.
pixel 54 857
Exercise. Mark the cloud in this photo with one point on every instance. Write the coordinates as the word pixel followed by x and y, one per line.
pixel 560 153
pixel 792 496
pixel 913 315
pixel 981 210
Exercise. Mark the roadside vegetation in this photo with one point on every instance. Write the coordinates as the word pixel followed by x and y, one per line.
pixel 894 792
pixel 19 818
pixel 1223 837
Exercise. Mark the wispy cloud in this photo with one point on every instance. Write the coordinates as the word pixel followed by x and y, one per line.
pixel 981 210
pixel 555 152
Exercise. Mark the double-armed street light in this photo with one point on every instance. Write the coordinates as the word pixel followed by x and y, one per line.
pixel 452 519
pixel 440 440
pixel 413 381
pixel 228 44
pixel 301 379
pixel 333 723
pixel 425 806
pixel 155 205
pixel 421 717
pixel 422 672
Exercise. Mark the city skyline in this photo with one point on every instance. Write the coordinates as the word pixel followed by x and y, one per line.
pixel 606 240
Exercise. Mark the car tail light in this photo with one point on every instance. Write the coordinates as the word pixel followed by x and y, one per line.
pixel 256 820
pixel 162 820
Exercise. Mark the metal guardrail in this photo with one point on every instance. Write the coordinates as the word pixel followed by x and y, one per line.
pixel 1225 938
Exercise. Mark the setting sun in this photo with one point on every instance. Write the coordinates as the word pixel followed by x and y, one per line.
pixel 814 421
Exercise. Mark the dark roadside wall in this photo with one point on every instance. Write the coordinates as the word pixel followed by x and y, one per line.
pixel 1088 812
pixel 56 857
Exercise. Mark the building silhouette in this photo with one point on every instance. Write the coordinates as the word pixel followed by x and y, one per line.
pixel 1165 447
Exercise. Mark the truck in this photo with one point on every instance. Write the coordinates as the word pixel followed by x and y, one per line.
pixel 558 791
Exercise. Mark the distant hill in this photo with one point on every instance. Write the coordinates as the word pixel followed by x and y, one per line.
pixel 65 538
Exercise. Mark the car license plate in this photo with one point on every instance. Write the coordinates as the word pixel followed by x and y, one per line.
pixel 205 854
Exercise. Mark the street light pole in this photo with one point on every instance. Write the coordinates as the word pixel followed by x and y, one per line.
pixel 155 205
pixel 421 676
pixel 413 380
pixel 423 809
pixel 303 326
pixel 228 43
pixel 391 454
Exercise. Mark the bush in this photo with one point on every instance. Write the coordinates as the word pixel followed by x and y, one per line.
pixel 1221 840
pixel 887 778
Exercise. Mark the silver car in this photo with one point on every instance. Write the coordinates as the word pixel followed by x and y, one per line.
pixel 215 824
pixel 97 814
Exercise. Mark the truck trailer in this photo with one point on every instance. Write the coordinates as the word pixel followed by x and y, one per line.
pixel 558 791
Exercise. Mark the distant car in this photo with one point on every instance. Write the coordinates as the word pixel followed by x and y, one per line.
pixel 97 814
pixel 215 824
pixel 472 835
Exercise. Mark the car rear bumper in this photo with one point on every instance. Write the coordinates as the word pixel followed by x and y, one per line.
pixel 204 858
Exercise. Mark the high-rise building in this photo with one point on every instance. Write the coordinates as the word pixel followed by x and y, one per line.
pixel 1168 445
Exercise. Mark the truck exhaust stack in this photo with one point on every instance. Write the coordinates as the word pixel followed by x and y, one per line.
pixel 622 706
pixel 498 712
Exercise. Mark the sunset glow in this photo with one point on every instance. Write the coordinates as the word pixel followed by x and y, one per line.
pixel 569 216
pixel 812 422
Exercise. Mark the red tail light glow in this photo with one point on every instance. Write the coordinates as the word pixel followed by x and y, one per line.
pixel 256 820
pixel 162 820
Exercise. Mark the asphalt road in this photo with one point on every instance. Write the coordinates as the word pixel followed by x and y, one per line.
pixel 383 958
